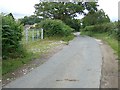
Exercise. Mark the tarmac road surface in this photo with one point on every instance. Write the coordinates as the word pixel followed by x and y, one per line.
pixel 77 65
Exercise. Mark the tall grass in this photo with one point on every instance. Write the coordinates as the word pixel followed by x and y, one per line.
pixel 109 39
pixel 33 50
pixel 30 33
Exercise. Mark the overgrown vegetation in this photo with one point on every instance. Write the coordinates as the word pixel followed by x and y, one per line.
pixel 11 37
pixel 95 18
pixel 108 32
pixel 32 35
pixel 55 28
pixel 30 20
pixel 110 28
pixel 16 53
pixel 74 23
pixel 64 11
pixel 58 21
pixel 34 50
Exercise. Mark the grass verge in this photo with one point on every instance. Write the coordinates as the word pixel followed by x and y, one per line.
pixel 105 37
pixel 113 42
pixel 33 50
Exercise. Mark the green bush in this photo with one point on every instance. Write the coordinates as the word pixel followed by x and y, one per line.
pixel 68 38
pixel 55 28
pixel 107 27
pixel 11 37
pixel 110 28
pixel 73 23
pixel 89 28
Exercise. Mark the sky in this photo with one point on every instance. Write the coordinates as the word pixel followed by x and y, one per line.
pixel 110 7
pixel 21 8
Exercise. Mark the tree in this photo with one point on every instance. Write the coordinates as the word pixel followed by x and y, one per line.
pixel 65 11
pixel 74 23
pixel 55 28
pixel 93 18
pixel 30 20
pixel 11 37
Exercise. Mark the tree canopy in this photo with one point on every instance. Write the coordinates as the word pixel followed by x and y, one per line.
pixel 97 17
pixel 11 37
pixel 30 20
pixel 65 11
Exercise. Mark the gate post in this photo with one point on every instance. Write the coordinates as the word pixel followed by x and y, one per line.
pixel 41 33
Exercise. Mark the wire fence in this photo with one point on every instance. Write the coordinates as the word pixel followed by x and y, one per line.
pixel 32 35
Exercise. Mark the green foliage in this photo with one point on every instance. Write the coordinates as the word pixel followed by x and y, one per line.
pixel 68 38
pixel 30 35
pixel 118 25
pixel 55 28
pixel 108 38
pixel 30 20
pixel 105 27
pixel 90 6
pixel 113 42
pixel 11 37
pixel 93 18
pixel 34 51
pixel 110 28
pixel 65 11
pixel 57 10
pixel 13 64
pixel 74 23
pixel 0 46
pixel 88 28
pixel 108 32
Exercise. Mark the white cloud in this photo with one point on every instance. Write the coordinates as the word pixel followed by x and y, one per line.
pixel 110 7
pixel 21 8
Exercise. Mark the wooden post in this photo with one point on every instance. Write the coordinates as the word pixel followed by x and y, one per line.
pixel 26 32
pixel 33 35
pixel 41 33
pixel 37 33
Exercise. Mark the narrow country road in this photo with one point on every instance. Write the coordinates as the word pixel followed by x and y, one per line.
pixel 78 65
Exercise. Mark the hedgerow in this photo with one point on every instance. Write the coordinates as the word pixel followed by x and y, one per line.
pixel 55 28
pixel 110 28
pixel 11 37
